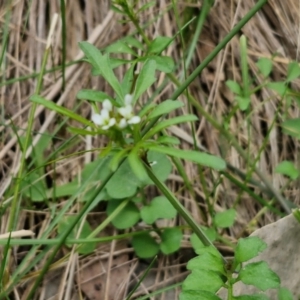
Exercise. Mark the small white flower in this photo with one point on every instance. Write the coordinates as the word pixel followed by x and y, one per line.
pixel 134 120
pixel 128 99
pixel 127 113
pixel 107 105
pixel 122 123
pixel 103 119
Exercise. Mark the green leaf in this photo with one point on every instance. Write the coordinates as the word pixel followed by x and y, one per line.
pixel 102 64
pixel 164 108
pixel 265 66
pixel 195 241
pixel 197 295
pixel 208 249
pixel 170 240
pixel 128 79
pixel 164 63
pixel 260 275
pixel 34 187
pixel 123 183
pixel 159 208
pixel 61 110
pixel 248 248
pixel 225 219
pixel 127 218
pixel 207 261
pixel 293 71
pixel 287 168
pixel 93 95
pixel 146 6
pixel 81 131
pixel 204 280
pixel 145 245
pixel 243 102
pixel 84 233
pixel 145 79
pixel 167 123
pixel 159 44
pixel 285 294
pixel 234 87
pixel 134 42
pixel 195 156
pixel 292 127
pixel 120 46
pixel 252 297
pixel 280 87
pixel 165 139
pixel 161 165
pixel 137 166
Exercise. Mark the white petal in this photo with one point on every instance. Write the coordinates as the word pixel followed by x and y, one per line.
pixel 105 127
pixel 97 119
pixel 134 120
pixel 125 111
pixel 104 114
pixel 112 122
pixel 122 123
pixel 107 105
pixel 128 99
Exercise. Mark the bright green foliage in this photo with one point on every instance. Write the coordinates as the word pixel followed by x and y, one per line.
pixel 207 261
pixel 225 219
pixel 145 79
pixel 102 65
pixel 145 245
pixel 197 244
pixel 260 275
pixel 279 87
pixel 243 102
pixel 193 295
pixel 93 95
pixel 248 248
pixel 164 108
pixel 234 87
pixel 285 294
pixel 159 44
pixel 293 71
pixel 195 156
pixel 292 127
pixel 124 183
pixel 265 66
pixel 84 232
pixel 207 272
pixel 252 297
pixel 164 63
pixel 287 168
pixel 128 217
pixel 203 280
pixel 33 187
pixel 137 166
pixel 158 208
pixel 120 46
pixel 170 240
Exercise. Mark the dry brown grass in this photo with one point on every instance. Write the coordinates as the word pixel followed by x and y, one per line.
pixel 274 29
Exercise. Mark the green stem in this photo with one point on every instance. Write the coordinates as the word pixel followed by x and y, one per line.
pixel 179 208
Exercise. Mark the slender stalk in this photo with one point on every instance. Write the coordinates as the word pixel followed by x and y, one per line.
pixel 15 203
pixel 179 207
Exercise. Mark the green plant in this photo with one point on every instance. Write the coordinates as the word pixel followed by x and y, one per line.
pixel 209 273
pixel 139 153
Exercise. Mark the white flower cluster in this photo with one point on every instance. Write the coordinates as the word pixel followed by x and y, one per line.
pixel 108 117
